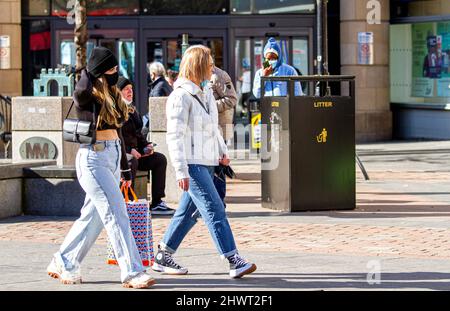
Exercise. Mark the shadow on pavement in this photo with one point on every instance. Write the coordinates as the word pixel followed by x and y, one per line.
pixel 355 281
pixel 243 200
pixel 363 211
pixel 29 218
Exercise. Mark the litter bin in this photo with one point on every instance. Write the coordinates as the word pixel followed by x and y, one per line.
pixel 308 147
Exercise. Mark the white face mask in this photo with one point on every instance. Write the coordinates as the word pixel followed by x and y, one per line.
pixel 127 102
pixel 273 63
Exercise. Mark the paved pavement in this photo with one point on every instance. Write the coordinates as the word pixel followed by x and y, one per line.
pixel 400 232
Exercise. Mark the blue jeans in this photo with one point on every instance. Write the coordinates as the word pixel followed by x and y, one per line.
pixel 202 196
pixel 104 207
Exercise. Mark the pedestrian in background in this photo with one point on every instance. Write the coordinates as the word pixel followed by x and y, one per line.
pixel 274 66
pixel 245 86
pixel 226 100
pixel 171 77
pixel 159 87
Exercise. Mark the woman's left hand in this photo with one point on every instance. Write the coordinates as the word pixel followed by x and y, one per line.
pixel 126 183
pixel 225 160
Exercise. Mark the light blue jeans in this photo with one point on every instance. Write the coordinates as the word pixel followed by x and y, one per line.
pixel 201 199
pixel 104 207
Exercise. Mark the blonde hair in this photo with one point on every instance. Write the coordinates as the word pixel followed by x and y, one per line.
pixel 110 99
pixel 195 63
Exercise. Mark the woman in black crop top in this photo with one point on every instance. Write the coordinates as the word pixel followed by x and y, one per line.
pixel 110 111
pixel 99 169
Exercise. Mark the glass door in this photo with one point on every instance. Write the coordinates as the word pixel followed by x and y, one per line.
pixel 168 50
pixel 121 42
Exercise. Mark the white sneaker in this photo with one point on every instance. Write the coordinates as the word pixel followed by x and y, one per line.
pixel 57 272
pixel 164 263
pixel 141 281
pixel 240 267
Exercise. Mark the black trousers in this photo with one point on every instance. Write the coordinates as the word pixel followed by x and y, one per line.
pixel 157 163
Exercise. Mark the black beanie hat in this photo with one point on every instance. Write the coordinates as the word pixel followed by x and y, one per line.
pixel 101 61
pixel 123 82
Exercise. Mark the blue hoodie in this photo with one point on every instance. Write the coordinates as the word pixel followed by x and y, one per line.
pixel 276 88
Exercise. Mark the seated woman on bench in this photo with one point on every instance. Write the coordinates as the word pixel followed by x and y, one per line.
pixel 141 154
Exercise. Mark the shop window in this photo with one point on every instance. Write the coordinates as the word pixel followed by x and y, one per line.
pixel 272 6
pixel 402 8
pixel 37 53
pixel 183 7
pixel 98 7
pixel 420 62
pixel 68 52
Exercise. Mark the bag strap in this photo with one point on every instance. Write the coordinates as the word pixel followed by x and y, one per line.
pixel 124 190
pixel 198 99
pixel 201 103
pixel 70 109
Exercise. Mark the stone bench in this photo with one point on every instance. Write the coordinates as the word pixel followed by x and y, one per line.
pixel 55 191
pixel 11 186
pixel 158 131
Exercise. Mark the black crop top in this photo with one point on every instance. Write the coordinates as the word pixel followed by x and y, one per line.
pixel 84 103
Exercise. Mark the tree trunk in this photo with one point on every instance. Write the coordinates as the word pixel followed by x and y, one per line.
pixel 81 36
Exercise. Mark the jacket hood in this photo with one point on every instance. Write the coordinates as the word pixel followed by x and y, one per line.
pixel 272 46
pixel 188 85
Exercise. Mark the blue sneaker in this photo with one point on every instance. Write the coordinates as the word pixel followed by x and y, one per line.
pixel 161 209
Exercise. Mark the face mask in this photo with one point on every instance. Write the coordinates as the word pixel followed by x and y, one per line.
pixel 273 63
pixel 127 102
pixel 112 78
pixel 204 83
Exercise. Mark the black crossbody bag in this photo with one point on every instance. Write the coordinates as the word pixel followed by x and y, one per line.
pixel 78 131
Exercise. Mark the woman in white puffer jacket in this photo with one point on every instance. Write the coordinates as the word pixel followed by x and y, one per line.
pixel 196 147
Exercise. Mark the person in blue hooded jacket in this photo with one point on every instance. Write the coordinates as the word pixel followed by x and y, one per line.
pixel 272 53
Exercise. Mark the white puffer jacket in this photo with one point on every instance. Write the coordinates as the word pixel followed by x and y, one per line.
pixel 193 135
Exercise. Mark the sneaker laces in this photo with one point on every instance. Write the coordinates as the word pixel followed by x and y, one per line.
pixel 163 205
pixel 169 259
pixel 237 260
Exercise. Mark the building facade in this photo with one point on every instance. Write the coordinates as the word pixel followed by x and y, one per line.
pixel 402 89
pixel 143 31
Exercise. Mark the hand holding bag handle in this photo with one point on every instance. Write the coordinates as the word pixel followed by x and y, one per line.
pixel 124 189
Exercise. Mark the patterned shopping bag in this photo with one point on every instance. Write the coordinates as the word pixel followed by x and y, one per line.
pixel 141 226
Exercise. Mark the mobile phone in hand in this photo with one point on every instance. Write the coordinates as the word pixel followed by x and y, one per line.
pixel 148 150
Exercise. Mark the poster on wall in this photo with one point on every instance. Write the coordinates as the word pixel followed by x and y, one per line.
pixel 425 60
pixel 365 48
pixel 443 46
pixel 431 59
